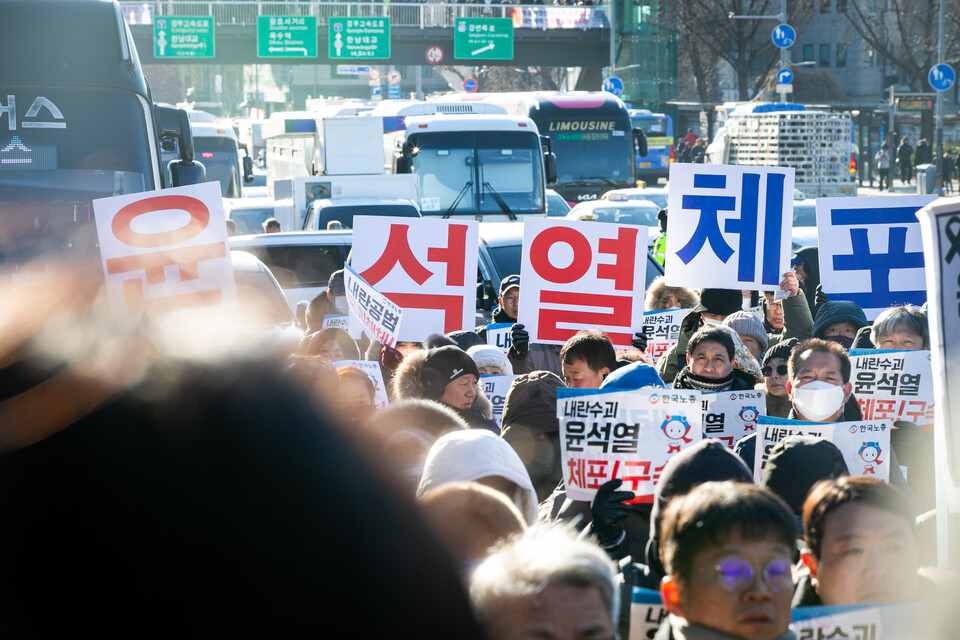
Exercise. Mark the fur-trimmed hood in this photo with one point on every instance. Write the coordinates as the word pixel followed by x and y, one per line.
pixel 407 383
pixel 658 291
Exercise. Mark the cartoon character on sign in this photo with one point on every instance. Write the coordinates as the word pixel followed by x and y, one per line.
pixel 749 416
pixel 870 454
pixel 675 430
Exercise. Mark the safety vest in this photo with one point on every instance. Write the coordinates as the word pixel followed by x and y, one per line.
pixel 660 249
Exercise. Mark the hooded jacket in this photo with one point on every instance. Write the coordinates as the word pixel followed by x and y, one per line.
pixel 836 311
pixel 408 383
pixel 464 456
pixel 811 265
pixel 657 293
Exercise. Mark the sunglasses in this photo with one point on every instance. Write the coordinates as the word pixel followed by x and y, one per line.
pixel 736 574
pixel 768 370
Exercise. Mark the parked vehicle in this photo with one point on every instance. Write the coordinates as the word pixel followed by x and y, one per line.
pixel 325 210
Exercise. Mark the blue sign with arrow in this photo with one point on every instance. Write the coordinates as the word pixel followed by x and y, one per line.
pixel 942 77
pixel 784 76
pixel 783 36
pixel 613 85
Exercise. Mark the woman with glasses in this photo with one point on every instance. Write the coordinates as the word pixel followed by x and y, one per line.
pixel 774 370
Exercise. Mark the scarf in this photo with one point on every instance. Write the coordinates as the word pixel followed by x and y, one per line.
pixel 687 379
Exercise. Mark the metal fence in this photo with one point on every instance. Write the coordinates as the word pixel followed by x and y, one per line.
pixel 401 14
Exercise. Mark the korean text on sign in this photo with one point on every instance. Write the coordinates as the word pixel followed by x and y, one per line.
pixel 378 315
pixel 498 335
pixel 871 251
pixel 730 226
pixel 662 329
pixel 894 386
pixel 865 445
pixel 495 388
pixel 731 415
pixel 582 274
pixel 372 369
pixel 427 267
pixel 166 249
pixel 619 434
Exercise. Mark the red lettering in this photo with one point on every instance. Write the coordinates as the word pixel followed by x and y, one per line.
pixel 453 256
pixel 540 258
pixel 624 247
pixel 199 217
pixel 153 263
pixel 133 295
pixel 620 316
pixel 397 251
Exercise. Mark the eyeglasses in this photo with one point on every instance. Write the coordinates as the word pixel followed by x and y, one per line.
pixel 736 574
pixel 768 370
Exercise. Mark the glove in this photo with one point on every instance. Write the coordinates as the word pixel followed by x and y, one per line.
pixel 639 341
pixel 520 342
pixel 390 358
pixel 608 510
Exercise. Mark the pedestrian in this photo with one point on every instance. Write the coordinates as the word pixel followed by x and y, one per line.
pixel 883 166
pixel 949 165
pixel 905 160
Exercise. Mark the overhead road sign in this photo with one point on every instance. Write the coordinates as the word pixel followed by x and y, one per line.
pixel 353 70
pixel 783 36
pixel 483 39
pixel 287 36
pixel 942 77
pixel 183 37
pixel 367 38
pixel 613 85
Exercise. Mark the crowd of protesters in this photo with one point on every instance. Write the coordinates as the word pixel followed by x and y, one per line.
pixel 160 495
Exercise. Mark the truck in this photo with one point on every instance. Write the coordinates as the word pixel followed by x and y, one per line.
pixel 818 144
pixel 77 123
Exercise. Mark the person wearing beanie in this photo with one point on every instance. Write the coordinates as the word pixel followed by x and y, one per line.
pixel 711 354
pixel 490 360
pixel 750 331
pixel 449 376
pixel 774 370
pixel 466 339
pixel 798 462
pixel 531 427
pixel 636 375
pixel 839 321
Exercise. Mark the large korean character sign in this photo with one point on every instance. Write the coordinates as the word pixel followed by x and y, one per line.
pixel 427 267
pixel 166 250
pixel 871 250
pixel 728 227
pixel 579 275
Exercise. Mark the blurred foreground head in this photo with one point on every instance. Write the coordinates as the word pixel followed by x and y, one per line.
pixel 149 485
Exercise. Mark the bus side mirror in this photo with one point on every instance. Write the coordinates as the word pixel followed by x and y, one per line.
pixel 173 124
pixel 550 166
pixel 181 173
pixel 640 141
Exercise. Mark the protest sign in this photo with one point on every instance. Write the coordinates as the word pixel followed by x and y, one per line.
pixel 623 434
pixel 372 369
pixel 662 329
pixel 729 226
pixel 495 388
pixel 731 415
pixel 646 613
pixel 893 385
pixel 578 274
pixel 337 322
pixel 871 250
pixel 426 266
pixel 378 315
pixel 166 249
pixel 865 445
pixel 498 335
pixel 894 621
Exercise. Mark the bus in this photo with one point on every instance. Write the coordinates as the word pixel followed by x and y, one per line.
pixel 216 146
pixel 590 133
pixel 658 128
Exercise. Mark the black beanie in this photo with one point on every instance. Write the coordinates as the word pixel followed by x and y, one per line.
pixel 796 463
pixel 780 350
pixel 450 362
pixel 722 302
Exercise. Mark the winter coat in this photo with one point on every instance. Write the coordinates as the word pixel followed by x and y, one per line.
pixel 811 260
pixel 883 159
pixel 673 628
pixel 408 383
pixel 540 357
pixel 465 456
pixel 658 291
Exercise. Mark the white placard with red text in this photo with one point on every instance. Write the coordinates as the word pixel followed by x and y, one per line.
pixel 623 434
pixel 894 385
pixel 166 249
pixel 662 329
pixel 379 316
pixel 427 266
pixel 581 275
pixel 731 415
pixel 372 369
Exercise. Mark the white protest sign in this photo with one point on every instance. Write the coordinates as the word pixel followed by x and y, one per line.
pixel 731 415
pixel 895 621
pixel 337 322
pixel 647 613
pixel 730 226
pixel 495 388
pixel 871 250
pixel 166 249
pixel 498 335
pixel 662 329
pixel 580 274
pixel 427 266
pixel 623 434
pixel 893 385
pixel 377 314
pixel 865 445
pixel 372 369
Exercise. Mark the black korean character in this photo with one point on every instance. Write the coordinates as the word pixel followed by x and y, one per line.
pixel 610 409
pixel 909 384
pixel 599 436
pixel 574 435
pixel 888 382
pixel 390 320
pixel 376 310
pixel 596 409
pixel 828 635
pixel 713 423
pixel 625 437
pixel 864 382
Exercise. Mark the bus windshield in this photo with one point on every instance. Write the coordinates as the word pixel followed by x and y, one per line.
pixel 479 172
pixel 220 157
pixel 590 148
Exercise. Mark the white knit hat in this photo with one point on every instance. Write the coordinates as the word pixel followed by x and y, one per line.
pixel 487 355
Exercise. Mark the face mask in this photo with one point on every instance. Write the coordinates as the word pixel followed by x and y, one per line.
pixel 340 302
pixel 711 322
pixel 844 341
pixel 817 400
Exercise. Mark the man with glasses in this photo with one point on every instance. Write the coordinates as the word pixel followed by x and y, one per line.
pixel 726 548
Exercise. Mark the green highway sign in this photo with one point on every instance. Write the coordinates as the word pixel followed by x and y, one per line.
pixel 483 39
pixel 183 37
pixel 286 36
pixel 363 38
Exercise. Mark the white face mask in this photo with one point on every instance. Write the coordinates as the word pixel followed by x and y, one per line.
pixel 817 400
pixel 340 302
pixel 711 322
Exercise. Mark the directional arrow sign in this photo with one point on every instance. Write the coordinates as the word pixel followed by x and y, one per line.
pixel 366 38
pixel 483 39
pixel 183 37
pixel 784 76
pixel 942 77
pixel 287 36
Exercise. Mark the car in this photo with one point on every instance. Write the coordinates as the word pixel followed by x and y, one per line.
pixel 804 224
pixel 322 211
pixel 557 205
pixel 301 261
pixel 638 212
pixel 657 195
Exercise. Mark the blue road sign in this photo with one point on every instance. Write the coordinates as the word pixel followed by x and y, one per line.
pixel 376 91
pixel 783 36
pixel 469 85
pixel 393 92
pixel 613 85
pixel 784 76
pixel 942 77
